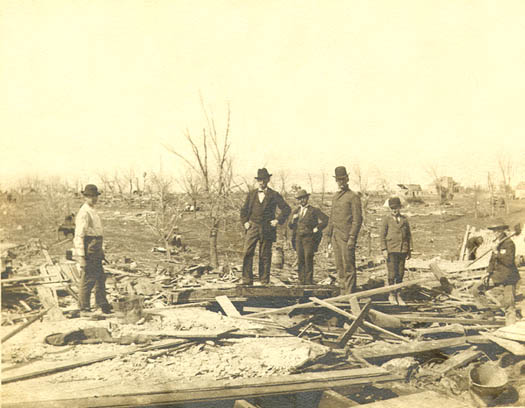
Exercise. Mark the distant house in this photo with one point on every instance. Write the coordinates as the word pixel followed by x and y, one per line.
pixel 410 190
pixel 520 191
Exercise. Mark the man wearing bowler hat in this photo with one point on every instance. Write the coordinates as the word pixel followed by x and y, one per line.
pixel 88 248
pixel 396 245
pixel 307 223
pixel 259 222
pixel 345 222
pixel 503 271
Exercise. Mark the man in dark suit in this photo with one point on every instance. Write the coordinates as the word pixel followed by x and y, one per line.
pixel 307 223
pixel 259 222
pixel 396 244
pixel 345 222
pixel 503 271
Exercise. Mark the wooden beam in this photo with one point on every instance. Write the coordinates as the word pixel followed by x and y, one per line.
pixel 332 399
pixel 352 317
pixel 22 327
pixel 343 339
pixel 206 390
pixel 458 360
pixel 227 306
pixel 415 347
pixel 464 244
pixel 77 364
pixel 426 399
pixel 414 318
pixel 243 404
pixel 357 295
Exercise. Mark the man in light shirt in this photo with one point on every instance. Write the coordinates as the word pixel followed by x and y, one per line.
pixel 88 248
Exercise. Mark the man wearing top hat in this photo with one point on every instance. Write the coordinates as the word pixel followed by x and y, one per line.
pixel 259 222
pixel 343 229
pixel 307 223
pixel 88 247
pixel 396 245
pixel 503 271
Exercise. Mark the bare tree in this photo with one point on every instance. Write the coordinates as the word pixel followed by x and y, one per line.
pixel 506 167
pixel 491 187
pixel 311 182
pixel 167 212
pixel 323 187
pixel 118 183
pixel 192 186
pixel 361 180
pixel 211 159
pixel 282 176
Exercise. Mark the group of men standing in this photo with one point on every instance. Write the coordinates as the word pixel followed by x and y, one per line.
pixel 258 216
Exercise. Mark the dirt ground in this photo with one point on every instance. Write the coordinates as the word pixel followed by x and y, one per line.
pixel 438 231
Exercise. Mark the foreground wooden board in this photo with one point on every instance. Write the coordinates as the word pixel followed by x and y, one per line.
pixel 200 294
pixel 194 391
pixel 427 399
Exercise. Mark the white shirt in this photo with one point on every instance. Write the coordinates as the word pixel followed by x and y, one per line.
pixel 303 211
pixel 261 194
pixel 88 223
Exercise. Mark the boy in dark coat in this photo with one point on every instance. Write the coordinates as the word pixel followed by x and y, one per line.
pixel 307 223
pixel 396 244
pixel 260 223
pixel 503 271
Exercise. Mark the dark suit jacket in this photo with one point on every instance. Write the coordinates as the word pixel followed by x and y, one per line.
pixel 346 216
pixel 395 237
pixel 271 202
pixel 502 265
pixel 305 225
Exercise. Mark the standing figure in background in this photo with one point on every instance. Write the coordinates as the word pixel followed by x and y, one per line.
pixel 88 247
pixel 472 246
pixel 260 224
pixel 345 222
pixel 396 244
pixel 503 271
pixel 307 223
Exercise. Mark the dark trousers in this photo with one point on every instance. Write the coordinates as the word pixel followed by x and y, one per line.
pixel 254 235
pixel 344 263
pixel 305 258
pixel 395 264
pixel 93 277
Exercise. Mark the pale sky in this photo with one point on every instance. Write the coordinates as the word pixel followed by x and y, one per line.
pixel 92 86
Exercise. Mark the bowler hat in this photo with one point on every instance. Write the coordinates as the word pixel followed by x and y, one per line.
pixel 498 227
pixel 394 202
pixel 91 190
pixel 301 193
pixel 263 174
pixel 340 172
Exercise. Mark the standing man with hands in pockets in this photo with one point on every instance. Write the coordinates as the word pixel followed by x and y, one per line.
pixel 88 247
pixel 259 222
pixel 345 222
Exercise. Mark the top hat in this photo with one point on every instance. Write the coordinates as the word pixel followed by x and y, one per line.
pixel 340 172
pixel 263 174
pixel 394 202
pixel 301 193
pixel 91 190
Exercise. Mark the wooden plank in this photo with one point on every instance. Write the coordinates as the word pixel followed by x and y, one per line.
pixel 293 292
pixel 332 399
pixel 227 306
pixel 22 327
pixel 357 295
pixel 27 279
pixel 343 339
pixel 207 390
pixel 464 244
pixel 514 347
pixel 426 399
pixel 415 347
pixel 414 318
pixel 77 364
pixel 185 334
pixel 354 306
pixel 243 404
pixel 458 360
pixel 350 316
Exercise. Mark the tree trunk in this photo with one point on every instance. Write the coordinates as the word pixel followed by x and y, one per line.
pixel 214 258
